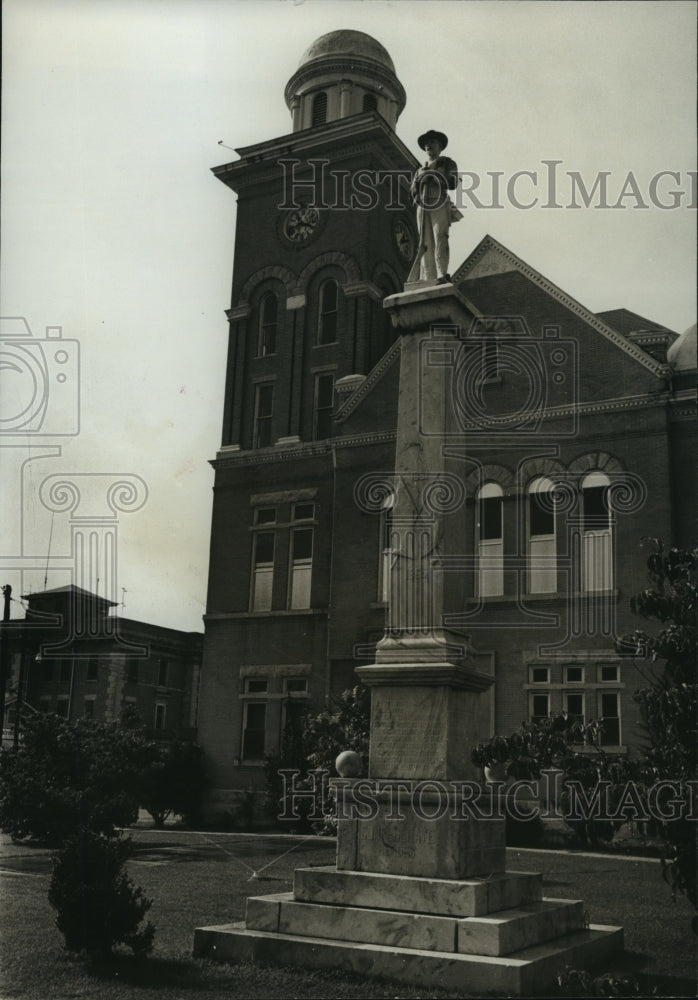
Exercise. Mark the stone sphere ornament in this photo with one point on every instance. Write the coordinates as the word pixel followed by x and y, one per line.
pixel 348 764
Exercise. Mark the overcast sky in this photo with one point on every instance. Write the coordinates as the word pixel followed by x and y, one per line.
pixel 115 229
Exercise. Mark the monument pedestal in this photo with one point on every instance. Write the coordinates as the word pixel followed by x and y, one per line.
pixel 419 892
pixel 490 933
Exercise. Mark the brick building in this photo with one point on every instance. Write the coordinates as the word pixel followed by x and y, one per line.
pixel 71 656
pixel 569 430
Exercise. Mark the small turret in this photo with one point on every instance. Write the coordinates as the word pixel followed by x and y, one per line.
pixel 341 74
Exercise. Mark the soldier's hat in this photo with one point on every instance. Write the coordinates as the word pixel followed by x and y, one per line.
pixel 433 134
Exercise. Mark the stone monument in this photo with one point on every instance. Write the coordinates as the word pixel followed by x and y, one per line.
pixel 419 892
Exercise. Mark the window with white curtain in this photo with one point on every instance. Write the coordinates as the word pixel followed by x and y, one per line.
pixel 490 545
pixel 597 541
pixel 542 545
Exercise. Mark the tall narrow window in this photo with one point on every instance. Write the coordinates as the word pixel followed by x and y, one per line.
pixel 262 570
pixel 301 567
pixel 490 541
pixel 160 709
pixel 268 325
pixel 263 413
pixel 574 706
pixel 597 543
pixel 542 558
pixel 539 706
pixel 324 398
pixel 163 672
pixel 92 668
pixel 609 712
pixel 254 721
pixel 319 109
pixel 327 312
pixel 370 103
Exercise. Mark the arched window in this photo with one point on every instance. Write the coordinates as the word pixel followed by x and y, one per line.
pixel 490 546
pixel 327 312
pixel 542 548
pixel 597 542
pixel 370 102
pixel 319 109
pixel 268 325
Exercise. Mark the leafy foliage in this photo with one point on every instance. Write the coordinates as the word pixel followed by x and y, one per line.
pixel 548 743
pixel 313 745
pixel 98 906
pixel 343 726
pixel 65 776
pixel 669 704
pixel 173 782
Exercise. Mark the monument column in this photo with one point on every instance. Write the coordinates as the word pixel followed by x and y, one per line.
pixel 424 690
pixel 419 892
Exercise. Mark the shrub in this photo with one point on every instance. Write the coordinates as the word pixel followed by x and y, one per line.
pixel 173 782
pixel 669 703
pixel 64 776
pixel 98 906
pixel 313 744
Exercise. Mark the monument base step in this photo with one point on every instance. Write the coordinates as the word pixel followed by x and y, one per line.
pixel 498 934
pixel 522 973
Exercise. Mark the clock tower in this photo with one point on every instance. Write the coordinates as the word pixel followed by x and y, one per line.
pixel 325 232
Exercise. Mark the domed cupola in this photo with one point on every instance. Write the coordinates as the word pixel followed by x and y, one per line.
pixel 344 73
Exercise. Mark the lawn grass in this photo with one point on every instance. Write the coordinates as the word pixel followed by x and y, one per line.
pixel 202 879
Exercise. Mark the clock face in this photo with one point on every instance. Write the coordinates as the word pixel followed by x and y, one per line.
pixel 404 241
pixel 301 223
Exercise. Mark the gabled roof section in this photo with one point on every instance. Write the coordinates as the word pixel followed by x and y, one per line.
pixel 491 257
pixel 70 590
pixel 627 322
pixel 369 383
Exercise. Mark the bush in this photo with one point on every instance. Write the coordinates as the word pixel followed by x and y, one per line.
pixel 173 782
pixel 669 704
pixel 65 776
pixel 313 744
pixel 98 906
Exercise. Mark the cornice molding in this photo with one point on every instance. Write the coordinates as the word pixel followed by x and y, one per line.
pixel 488 244
pixel 594 406
pixel 307 449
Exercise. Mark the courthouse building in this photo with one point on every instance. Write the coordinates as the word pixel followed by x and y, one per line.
pixel 574 438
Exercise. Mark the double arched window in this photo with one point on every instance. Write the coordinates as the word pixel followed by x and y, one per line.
pixel 542 544
pixel 490 544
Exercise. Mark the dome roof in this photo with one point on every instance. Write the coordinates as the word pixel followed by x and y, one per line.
pixel 347 42
pixel 682 353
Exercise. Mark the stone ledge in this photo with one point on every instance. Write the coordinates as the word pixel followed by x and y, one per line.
pixel 525 973
pixel 457 898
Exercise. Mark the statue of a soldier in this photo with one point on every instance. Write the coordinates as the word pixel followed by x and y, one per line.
pixel 435 210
